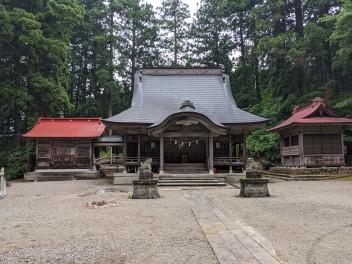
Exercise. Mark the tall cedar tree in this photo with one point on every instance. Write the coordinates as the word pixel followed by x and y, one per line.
pixel 211 41
pixel 174 16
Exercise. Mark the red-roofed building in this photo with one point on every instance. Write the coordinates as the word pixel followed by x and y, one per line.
pixel 65 143
pixel 312 136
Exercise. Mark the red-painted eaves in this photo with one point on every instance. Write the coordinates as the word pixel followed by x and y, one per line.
pixel 302 116
pixel 67 128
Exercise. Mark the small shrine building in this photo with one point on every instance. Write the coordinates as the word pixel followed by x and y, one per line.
pixel 312 137
pixel 65 143
pixel 182 117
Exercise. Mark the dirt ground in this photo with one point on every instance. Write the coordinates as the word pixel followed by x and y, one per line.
pixel 52 222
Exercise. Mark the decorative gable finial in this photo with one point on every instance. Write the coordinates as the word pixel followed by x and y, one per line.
pixel 187 103
pixel 317 100
pixel 294 110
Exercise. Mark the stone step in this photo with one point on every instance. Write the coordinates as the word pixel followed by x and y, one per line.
pixel 60 175
pixel 185 168
pixel 56 178
pixel 192 184
pixel 289 177
pixel 188 180
pixel 186 175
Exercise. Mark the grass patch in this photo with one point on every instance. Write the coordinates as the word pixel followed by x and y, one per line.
pixel 348 178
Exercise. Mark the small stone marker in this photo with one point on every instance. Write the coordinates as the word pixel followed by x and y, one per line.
pixel 2 184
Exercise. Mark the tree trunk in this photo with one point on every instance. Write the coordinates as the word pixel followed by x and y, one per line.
pixel 175 38
pixel 300 60
pixel 111 49
pixel 256 71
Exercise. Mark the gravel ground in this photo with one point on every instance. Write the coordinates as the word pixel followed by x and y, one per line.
pixel 48 222
pixel 306 221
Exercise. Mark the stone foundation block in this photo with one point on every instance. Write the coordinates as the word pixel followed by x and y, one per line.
pixel 145 189
pixel 253 187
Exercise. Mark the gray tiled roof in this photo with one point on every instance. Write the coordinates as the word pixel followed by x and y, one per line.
pixel 156 97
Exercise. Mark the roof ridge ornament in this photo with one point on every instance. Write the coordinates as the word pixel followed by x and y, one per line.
pixel 295 109
pixel 187 103
pixel 317 100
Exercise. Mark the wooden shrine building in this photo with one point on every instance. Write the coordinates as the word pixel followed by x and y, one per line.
pixel 312 137
pixel 65 143
pixel 183 117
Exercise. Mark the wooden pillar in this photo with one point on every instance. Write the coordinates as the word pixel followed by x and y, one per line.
pixel 161 168
pixel 211 153
pixel 139 152
pixel 301 149
pixel 230 154
pixel 91 155
pixel 37 152
pixel 343 150
pixel 124 150
pixel 244 149
pixel 207 150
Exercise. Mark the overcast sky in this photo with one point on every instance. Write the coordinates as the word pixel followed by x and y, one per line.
pixel 191 3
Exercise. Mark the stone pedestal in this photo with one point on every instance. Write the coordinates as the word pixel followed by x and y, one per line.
pixel 254 187
pixel 145 189
pixel 253 174
pixel 145 176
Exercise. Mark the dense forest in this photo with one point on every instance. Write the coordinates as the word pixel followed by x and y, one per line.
pixel 77 58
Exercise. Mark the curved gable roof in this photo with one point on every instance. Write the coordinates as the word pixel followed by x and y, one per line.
pixel 160 93
pixel 313 113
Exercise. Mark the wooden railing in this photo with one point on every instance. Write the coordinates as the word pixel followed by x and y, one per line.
pixel 323 160
pixel 107 160
pixel 289 151
pixel 2 184
pixel 134 160
pixel 234 161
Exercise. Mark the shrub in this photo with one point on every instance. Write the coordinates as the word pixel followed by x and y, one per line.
pixel 16 162
pixel 264 145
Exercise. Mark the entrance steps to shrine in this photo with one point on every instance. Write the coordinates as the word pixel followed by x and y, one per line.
pixel 185 168
pixel 61 175
pixel 189 180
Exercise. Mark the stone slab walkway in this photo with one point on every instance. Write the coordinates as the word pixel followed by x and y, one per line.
pixel 232 241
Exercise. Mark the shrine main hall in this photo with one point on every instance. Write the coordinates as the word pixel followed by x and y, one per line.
pixel 184 119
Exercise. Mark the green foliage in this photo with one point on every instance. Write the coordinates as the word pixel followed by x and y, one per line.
pixel 174 24
pixel 78 57
pixel 104 154
pixel 267 165
pixel 348 145
pixel 16 161
pixel 262 145
pixel 343 104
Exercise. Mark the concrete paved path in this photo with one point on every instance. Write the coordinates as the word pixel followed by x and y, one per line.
pixel 232 241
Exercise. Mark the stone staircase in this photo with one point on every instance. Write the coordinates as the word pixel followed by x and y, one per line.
pixel 61 175
pixel 188 174
pixel 189 180
pixel 185 168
